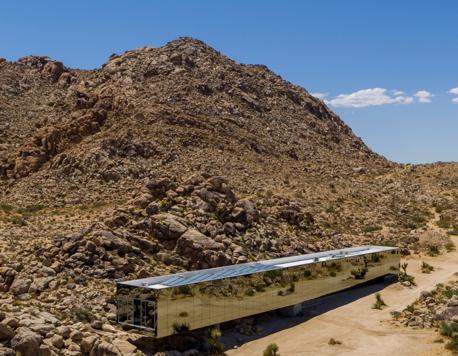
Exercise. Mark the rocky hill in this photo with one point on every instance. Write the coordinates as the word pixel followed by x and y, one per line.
pixel 178 158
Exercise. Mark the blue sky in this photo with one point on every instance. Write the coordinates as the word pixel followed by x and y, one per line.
pixel 361 54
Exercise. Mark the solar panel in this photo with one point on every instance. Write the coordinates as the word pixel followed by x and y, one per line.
pixel 211 274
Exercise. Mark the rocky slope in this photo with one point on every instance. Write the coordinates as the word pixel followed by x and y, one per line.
pixel 177 158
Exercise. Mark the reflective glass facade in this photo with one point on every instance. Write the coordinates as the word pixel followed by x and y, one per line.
pixel 165 310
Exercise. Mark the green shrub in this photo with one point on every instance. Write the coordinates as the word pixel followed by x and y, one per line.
pixel 433 250
pixel 359 273
pixel 448 329
pixel 82 314
pixel 271 350
pixel 449 292
pixel 395 314
pixel 372 228
pixel 410 308
pixel 6 208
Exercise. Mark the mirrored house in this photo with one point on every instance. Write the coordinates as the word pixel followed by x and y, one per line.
pixel 167 304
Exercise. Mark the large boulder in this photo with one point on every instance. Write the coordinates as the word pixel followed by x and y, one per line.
pixel 167 226
pixel 103 348
pixel 110 241
pixel 6 332
pixel 199 248
pixel 158 187
pixel 26 342
pixel 20 286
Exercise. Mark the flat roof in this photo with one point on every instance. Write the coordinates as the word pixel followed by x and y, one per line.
pixel 211 274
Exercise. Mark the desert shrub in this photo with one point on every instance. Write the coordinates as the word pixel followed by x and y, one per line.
pixel 448 329
pixel 250 292
pixel 395 314
pixel 445 221
pixel 450 246
pixel 30 209
pixel 433 250
pixel 442 206
pixel 6 208
pixel 453 343
pixel 82 314
pixel 432 241
pixel 185 290
pixel 333 341
pixel 410 308
pixel 372 228
pixel 17 220
pixel 426 267
pixel 180 327
pixel 379 302
pixel 359 273
pixel 271 350
pixel 449 292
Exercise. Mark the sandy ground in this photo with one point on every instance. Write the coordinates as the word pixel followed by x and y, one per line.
pixel 363 330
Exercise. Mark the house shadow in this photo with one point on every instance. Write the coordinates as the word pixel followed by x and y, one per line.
pixel 272 322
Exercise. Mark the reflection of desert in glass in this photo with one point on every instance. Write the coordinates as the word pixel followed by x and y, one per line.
pixel 212 302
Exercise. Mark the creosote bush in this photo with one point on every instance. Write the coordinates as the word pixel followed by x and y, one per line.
pixel 333 341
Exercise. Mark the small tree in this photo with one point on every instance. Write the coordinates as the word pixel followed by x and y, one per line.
pixel 404 277
pixel 379 302
pixel 271 350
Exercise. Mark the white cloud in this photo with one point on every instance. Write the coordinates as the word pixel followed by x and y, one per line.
pixel 455 100
pixel 319 95
pixel 369 97
pixel 453 91
pixel 423 96
pixel 397 92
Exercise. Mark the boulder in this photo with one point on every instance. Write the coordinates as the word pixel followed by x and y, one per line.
pixel 57 341
pixel 167 226
pixel 4 351
pixel 26 342
pixel 6 332
pixel 20 286
pixel 110 241
pixel 195 240
pixel 103 348
pixel 87 343
pixel 158 187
